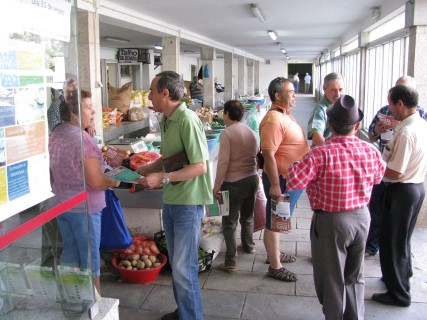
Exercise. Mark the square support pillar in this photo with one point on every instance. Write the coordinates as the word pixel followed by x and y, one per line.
pixel 89 61
pixel 208 55
pixel 250 66
pixel 170 54
pixel 256 77
pixel 228 76
pixel 242 76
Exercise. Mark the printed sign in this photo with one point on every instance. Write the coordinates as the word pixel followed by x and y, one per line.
pixel 128 55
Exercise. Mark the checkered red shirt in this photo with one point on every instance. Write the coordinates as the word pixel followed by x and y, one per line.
pixel 338 176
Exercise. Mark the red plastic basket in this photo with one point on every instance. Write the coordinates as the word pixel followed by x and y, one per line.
pixel 140 276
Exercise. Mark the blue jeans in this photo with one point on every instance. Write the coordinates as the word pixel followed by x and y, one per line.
pixel 76 240
pixel 293 194
pixel 181 224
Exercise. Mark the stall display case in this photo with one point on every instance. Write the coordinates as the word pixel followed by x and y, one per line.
pixel 35 52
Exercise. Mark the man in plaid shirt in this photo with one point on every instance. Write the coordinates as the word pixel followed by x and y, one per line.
pixel 338 177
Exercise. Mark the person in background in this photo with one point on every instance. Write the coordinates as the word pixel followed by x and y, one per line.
pixel 183 202
pixel 338 177
pixel 237 173
pixel 282 143
pixel 66 166
pixel 318 129
pixel 296 82
pixel 307 82
pixel 406 157
pixel 53 116
pixel 376 128
pixel 196 89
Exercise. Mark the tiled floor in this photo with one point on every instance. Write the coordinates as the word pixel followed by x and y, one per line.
pixel 249 294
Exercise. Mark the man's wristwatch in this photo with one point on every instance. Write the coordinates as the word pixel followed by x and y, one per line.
pixel 165 178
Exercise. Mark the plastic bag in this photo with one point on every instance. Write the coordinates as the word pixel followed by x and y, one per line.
pixel 114 232
pixel 259 210
pixel 153 122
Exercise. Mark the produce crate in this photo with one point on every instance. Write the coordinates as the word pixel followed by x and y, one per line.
pixel 205 258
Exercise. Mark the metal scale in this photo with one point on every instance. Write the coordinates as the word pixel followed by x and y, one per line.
pixel 134 145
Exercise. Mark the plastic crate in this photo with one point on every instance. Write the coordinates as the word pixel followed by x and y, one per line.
pixel 205 262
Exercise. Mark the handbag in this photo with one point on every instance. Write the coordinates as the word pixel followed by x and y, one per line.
pixel 114 232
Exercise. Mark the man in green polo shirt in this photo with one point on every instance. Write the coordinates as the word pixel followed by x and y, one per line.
pixel 318 129
pixel 185 191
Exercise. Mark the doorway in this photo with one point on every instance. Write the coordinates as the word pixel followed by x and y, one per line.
pixel 302 69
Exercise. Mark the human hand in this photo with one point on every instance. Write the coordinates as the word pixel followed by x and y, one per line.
pixel 217 194
pixel 380 128
pixel 91 131
pixel 275 192
pixel 154 179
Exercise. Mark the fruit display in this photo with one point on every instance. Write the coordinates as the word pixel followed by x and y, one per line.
pixel 142 159
pixel 205 113
pixel 141 255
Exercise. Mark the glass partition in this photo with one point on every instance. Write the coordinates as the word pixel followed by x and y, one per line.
pixel 38 57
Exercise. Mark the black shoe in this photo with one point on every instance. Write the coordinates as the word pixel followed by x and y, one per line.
pixel 171 316
pixel 386 298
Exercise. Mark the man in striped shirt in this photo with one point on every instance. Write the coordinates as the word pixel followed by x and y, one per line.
pixel 338 177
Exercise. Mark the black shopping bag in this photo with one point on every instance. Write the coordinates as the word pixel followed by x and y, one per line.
pixel 114 233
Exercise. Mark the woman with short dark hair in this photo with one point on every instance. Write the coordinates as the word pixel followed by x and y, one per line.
pixel 237 173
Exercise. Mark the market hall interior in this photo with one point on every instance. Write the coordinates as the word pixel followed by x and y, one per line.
pixel 371 47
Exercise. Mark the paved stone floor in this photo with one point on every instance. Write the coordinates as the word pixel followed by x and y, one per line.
pixel 249 294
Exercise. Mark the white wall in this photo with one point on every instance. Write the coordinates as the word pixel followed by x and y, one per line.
pixel 267 72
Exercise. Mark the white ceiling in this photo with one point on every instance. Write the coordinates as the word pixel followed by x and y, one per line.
pixel 305 28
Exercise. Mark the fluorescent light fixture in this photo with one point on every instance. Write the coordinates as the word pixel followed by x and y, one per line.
pixel 158 47
pixel 257 13
pixel 272 35
pixel 117 39
pixel 283 50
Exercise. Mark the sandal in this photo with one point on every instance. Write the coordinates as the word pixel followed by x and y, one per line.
pixel 284 258
pixel 282 274
pixel 224 267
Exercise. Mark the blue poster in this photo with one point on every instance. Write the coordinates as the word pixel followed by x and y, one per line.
pixel 17 180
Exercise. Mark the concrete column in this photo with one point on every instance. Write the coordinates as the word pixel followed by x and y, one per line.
pixel 256 77
pixel 242 76
pixel 250 64
pixel 228 76
pixel 208 55
pixel 170 54
pixel 416 21
pixel 89 61
pixel 363 40
pixel 148 72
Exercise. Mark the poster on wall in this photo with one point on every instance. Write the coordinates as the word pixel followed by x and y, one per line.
pixel 24 157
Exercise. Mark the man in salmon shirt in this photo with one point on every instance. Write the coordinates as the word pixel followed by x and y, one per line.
pixel 282 143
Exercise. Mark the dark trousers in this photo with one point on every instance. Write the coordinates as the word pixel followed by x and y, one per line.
pixel 401 205
pixel 337 247
pixel 242 196
pixel 375 203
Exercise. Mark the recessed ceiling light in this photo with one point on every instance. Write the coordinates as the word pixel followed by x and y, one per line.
pixel 283 50
pixel 272 35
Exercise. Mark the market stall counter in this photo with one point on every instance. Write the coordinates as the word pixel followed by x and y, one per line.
pixel 142 209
